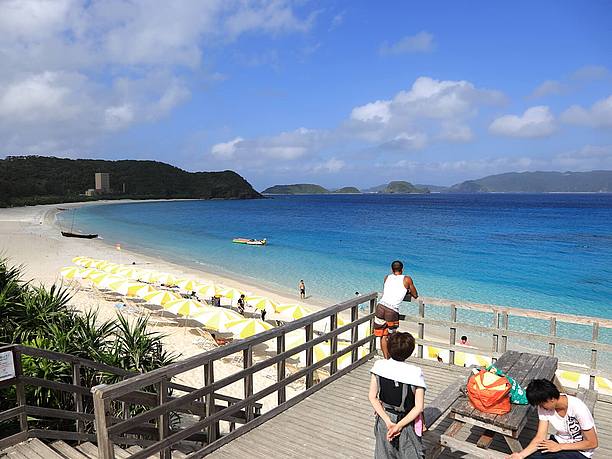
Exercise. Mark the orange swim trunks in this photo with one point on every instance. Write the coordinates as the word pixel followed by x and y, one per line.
pixel 386 320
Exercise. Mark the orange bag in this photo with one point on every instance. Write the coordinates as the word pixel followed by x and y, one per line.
pixel 489 393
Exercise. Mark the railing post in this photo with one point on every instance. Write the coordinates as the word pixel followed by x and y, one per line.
pixel 19 389
pixel 372 310
pixel 552 331
pixel 354 333
pixel 421 329
pixel 452 339
pixel 163 426
pixel 209 378
pixel 281 369
pixel 333 344
pixel 505 324
pixel 248 382
pixel 102 416
pixel 78 397
pixel 309 357
pixel 495 340
pixel 594 354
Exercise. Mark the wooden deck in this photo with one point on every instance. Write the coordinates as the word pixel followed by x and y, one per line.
pixel 337 422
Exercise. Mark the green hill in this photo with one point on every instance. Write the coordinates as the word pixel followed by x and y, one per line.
pixel 298 188
pixel 402 187
pixel 539 182
pixel 347 189
pixel 28 180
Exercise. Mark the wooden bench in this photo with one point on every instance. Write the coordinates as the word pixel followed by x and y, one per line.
pixel 523 367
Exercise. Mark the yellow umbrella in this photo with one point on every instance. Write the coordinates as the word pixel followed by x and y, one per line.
pixel 292 311
pixel 188 285
pixel 101 264
pixel 261 302
pixel 130 273
pixel 117 267
pixel 146 275
pixel 245 328
pixel 184 307
pixel 91 263
pixel 103 280
pixel 161 297
pixel 70 272
pixel 322 351
pixel 166 279
pixel 80 260
pixel 130 288
pixel 88 272
pixel 228 292
pixel 216 318
pixel 109 267
pixel 207 290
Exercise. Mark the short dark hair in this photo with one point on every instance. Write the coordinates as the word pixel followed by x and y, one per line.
pixel 540 391
pixel 397 266
pixel 400 345
pixel 464 338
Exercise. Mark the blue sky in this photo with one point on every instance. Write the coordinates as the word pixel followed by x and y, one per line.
pixel 332 92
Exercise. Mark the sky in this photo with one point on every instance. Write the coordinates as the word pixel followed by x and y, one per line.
pixel 338 93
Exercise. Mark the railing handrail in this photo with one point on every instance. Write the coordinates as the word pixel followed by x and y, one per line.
pixel 167 372
pixel 520 312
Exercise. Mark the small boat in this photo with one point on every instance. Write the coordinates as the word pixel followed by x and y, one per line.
pixel 83 236
pixel 242 240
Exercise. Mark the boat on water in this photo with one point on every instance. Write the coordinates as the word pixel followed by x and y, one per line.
pixel 243 240
pixel 83 236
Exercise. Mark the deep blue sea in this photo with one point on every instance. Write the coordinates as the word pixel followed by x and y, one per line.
pixel 541 251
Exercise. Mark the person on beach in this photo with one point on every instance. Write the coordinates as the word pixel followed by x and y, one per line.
pixel 241 304
pixel 302 289
pixel 576 435
pixel 397 394
pixel 464 341
pixel 396 288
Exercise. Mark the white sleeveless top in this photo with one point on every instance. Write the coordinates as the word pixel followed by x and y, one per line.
pixel 393 292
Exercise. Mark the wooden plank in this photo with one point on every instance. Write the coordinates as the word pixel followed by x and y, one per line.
pixel 470 448
pixel 485 439
pixel 67 451
pixel 443 401
pixel 43 450
pixel 589 397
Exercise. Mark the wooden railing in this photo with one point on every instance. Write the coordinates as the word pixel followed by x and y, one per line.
pixel 76 418
pixel 500 331
pixel 201 401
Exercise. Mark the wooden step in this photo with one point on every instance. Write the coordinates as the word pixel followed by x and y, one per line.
pixel 88 449
pixel 43 450
pixel 67 451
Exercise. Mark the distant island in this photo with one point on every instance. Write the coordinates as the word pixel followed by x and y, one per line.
pixel 401 187
pixel 298 188
pixel 539 182
pixel 30 180
pixel 347 190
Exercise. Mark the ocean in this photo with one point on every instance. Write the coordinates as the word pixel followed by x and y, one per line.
pixel 551 252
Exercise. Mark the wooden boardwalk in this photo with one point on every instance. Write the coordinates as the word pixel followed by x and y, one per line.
pixel 337 422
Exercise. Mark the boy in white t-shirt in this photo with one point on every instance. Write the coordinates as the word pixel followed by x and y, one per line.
pixel 576 436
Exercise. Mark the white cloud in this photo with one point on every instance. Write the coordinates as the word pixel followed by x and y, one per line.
pixel 378 111
pixel 406 141
pixel 81 68
pixel 331 166
pixel 548 88
pixel 591 72
pixel 422 42
pixel 455 132
pixel 599 115
pixel 535 122
pixel 226 150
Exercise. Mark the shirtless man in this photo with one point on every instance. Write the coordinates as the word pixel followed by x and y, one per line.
pixel 396 287
pixel 302 289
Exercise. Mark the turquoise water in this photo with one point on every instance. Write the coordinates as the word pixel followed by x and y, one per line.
pixel 544 251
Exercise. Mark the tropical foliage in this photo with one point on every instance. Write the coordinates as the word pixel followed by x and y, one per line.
pixel 42 318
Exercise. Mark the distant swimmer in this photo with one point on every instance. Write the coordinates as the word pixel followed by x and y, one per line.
pixel 302 289
pixel 396 288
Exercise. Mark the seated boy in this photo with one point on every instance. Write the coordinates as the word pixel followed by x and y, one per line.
pixel 576 436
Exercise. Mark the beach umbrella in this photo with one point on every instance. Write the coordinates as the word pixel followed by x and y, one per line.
pixel 130 288
pixel 184 307
pixel 363 330
pixel 322 351
pixel 245 328
pixel 80 260
pixel 216 318
pixel 103 280
pixel 166 279
pixel 188 285
pixel 129 273
pixel 207 290
pixel 160 297
pixel 91 263
pixel 146 275
pixel 117 267
pixel 292 311
pixel 466 360
pixel 70 272
pixel 110 267
pixel 88 272
pixel 229 292
pixel 261 303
